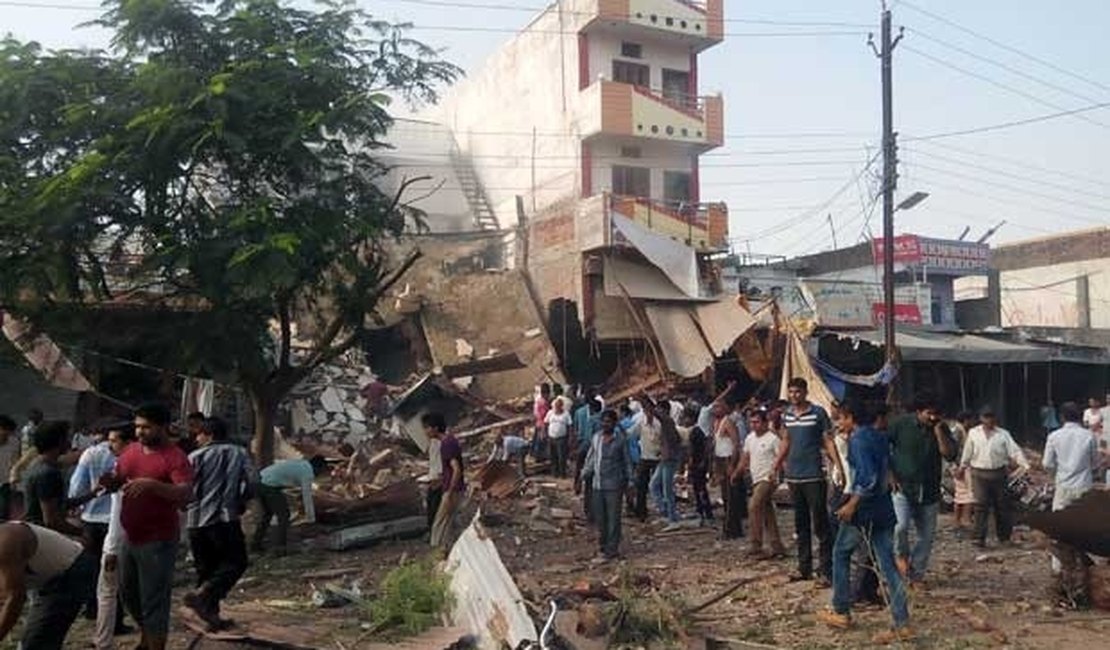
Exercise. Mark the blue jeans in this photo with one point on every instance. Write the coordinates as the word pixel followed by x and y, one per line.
pixel 924 520
pixel 662 489
pixel 882 547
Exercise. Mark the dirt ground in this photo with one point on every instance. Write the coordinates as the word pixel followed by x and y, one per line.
pixel 975 599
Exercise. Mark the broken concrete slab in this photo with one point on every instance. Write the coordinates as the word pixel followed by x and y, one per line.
pixel 356 536
pixel 487 600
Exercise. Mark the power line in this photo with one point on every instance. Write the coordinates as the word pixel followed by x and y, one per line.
pixel 1004 46
pixel 814 210
pixel 462 28
pixel 537 10
pixel 1008 125
pixel 978 193
pixel 1021 164
pixel 998 64
pixel 1019 177
pixel 1011 188
pixel 998 84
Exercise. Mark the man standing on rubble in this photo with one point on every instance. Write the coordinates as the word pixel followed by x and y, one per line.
pixel 651 433
pixel 867 518
pixel 223 480
pixel 989 453
pixel 1072 456
pixel 807 436
pixel 453 479
pixel 919 444
pixel 609 471
pixel 156 480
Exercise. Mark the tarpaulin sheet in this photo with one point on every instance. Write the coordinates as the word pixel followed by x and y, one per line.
pixel 796 363
pixel 675 259
pixel 682 344
pixel 723 322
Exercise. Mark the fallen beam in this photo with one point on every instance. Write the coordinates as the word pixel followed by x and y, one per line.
pixel 347 538
pixel 730 589
pixel 493 427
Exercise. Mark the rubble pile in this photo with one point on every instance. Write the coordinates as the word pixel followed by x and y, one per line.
pixel 329 406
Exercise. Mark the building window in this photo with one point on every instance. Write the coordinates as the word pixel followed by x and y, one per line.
pixel 677 186
pixel 676 86
pixel 631 181
pixel 636 74
pixel 632 50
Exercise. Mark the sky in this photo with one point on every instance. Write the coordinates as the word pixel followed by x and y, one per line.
pixel 803 109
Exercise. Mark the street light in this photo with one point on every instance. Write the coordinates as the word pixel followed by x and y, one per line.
pixel 912 200
pixel 888 278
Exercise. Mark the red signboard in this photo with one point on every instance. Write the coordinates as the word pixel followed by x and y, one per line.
pixel 907 249
pixel 952 255
pixel 905 314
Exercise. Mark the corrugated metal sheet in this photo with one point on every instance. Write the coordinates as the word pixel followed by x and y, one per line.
pixel 487 601
pixel 723 322
pixel 682 344
pixel 638 280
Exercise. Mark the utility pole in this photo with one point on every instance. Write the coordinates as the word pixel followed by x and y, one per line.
pixel 890 179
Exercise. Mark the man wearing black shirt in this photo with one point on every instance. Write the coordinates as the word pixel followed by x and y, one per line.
pixel 44 486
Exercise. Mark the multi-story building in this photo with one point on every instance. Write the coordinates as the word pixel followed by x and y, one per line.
pixel 586 128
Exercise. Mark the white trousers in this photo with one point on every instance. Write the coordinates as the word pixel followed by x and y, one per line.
pixel 107 600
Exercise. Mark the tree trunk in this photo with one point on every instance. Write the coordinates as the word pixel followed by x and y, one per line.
pixel 264 407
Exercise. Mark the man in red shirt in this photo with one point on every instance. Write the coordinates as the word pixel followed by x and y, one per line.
pixel 156 479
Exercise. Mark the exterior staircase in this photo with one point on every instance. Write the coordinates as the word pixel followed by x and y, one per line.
pixel 471 186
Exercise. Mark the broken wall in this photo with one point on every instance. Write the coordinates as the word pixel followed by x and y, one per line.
pixel 489 309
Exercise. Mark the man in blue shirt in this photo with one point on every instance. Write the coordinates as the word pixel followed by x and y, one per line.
pixel 800 455
pixel 867 517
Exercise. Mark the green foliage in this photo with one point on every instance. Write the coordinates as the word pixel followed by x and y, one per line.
pixel 649 619
pixel 411 599
pixel 221 158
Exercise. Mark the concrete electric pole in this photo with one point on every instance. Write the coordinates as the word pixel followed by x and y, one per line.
pixel 890 179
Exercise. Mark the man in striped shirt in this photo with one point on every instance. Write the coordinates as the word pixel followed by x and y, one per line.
pixel 223 480
pixel 807 436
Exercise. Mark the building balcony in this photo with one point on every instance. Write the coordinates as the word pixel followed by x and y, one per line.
pixel 702 226
pixel 699 22
pixel 623 110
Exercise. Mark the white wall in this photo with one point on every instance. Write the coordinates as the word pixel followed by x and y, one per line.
pixel 1047 296
pixel 657 55
pixel 656 157
pixel 530 83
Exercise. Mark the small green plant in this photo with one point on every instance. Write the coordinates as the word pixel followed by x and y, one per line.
pixel 411 599
pixel 650 619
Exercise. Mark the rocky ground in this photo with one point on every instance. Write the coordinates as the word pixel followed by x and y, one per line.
pixel 975 599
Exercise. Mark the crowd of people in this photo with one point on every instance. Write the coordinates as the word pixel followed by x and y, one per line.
pixel 866 489
pixel 142 489
pixel 866 486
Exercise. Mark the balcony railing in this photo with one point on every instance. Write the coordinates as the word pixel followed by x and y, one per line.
pixel 701 225
pixel 624 109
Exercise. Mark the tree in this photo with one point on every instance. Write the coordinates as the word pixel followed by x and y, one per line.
pixel 224 155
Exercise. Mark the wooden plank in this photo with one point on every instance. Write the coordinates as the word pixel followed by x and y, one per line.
pixel 493 427
pixel 342 540
pixel 499 363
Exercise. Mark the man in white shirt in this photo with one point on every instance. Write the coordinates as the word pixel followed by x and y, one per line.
pixel 1072 456
pixel 761 449
pixel 1092 417
pixel 558 421
pixel 989 453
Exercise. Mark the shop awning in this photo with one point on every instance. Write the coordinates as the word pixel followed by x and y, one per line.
pixel 955 347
